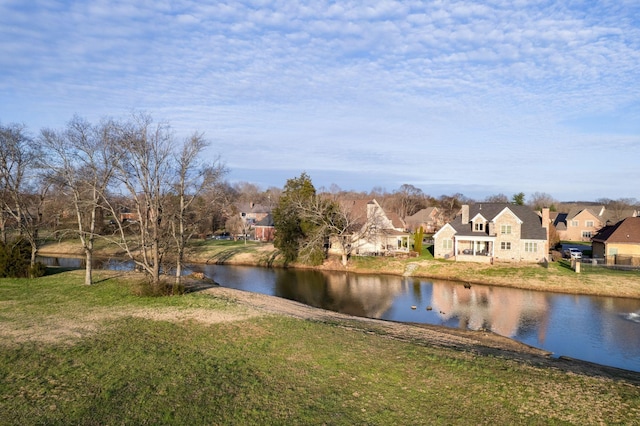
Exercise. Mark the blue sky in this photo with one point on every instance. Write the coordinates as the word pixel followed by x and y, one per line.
pixel 473 97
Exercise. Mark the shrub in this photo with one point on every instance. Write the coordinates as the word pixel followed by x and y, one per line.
pixel 15 260
pixel 166 287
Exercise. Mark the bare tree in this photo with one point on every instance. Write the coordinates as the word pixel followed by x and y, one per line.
pixel 497 198
pixel 408 200
pixel 333 222
pixel 619 208
pixel 238 225
pixel 23 190
pixel 193 177
pixel 538 200
pixel 82 161
pixel 144 172
pixel 450 205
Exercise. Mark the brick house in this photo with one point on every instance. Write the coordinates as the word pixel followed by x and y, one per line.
pixel 264 229
pixel 485 232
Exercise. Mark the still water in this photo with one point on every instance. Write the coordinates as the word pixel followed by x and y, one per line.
pixel 603 330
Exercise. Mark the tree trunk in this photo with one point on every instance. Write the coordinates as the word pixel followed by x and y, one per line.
pixel 179 269
pixel 34 254
pixel 88 271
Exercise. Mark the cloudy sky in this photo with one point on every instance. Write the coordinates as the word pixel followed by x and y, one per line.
pixel 475 97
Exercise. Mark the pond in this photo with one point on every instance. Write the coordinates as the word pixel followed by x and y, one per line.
pixel 604 330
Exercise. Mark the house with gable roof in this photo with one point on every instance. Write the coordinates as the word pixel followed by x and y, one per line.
pixel 619 243
pixel 374 231
pixel 485 232
pixel 581 222
pixel 430 219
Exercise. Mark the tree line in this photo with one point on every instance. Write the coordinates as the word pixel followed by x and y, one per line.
pixel 133 183
pixel 134 171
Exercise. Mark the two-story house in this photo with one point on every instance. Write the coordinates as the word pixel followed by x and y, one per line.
pixel 582 222
pixel 485 232
pixel 374 231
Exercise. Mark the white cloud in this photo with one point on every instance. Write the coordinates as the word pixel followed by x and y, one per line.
pixel 332 85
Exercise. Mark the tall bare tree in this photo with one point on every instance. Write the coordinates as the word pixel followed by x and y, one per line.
pixel 144 172
pixel 23 190
pixel 193 176
pixel 408 200
pixel 82 161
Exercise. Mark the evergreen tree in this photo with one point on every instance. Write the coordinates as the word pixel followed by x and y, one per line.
pixel 291 228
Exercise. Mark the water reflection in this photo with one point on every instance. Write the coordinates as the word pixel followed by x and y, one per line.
pixel 366 296
pixel 505 311
pixel 604 330
pixel 114 264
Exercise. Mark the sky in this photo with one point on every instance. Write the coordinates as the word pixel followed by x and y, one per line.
pixel 472 97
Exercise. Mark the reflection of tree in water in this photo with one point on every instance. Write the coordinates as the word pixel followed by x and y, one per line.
pixel 304 286
pixel 502 310
pixel 359 295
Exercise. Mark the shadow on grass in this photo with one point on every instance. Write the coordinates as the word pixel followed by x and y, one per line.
pixel 223 256
pixel 54 270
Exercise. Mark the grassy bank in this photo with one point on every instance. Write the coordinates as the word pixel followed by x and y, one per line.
pixel 73 354
pixel 555 277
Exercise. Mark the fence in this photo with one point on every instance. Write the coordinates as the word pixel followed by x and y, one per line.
pixel 618 262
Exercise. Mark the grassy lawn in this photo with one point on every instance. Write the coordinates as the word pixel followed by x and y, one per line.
pixel 72 354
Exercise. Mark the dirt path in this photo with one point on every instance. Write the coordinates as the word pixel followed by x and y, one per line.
pixel 478 342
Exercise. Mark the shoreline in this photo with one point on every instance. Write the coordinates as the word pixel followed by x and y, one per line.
pixel 554 278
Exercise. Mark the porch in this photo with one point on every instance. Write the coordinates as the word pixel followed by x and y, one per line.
pixel 474 249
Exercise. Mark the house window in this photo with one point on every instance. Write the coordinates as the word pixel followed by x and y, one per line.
pixel 505 245
pixel 505 229
pixel 447 244
pixel 575 223
pixel 478 226
pixel 589 224
pixel 586 234
pixel 530 247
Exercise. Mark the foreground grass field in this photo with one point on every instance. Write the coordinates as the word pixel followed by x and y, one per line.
pixel 72 354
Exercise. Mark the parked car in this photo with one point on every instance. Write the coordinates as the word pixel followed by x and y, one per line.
pixel 573 253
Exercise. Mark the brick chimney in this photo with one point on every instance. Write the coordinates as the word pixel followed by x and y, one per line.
pixel 465 214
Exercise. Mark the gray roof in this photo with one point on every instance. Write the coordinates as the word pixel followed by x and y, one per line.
pixel 531 222
pixel 266 221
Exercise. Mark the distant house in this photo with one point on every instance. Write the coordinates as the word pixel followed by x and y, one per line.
pixel 373 231
pixel 619 243
pixel 494 231
pixel 252 212
pixel 264 229
pixel 430 219
pixel 582 222
pixel 245 217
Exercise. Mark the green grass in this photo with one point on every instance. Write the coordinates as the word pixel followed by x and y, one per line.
pixel 264 370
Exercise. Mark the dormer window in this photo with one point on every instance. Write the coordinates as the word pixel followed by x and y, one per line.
pixel 478 226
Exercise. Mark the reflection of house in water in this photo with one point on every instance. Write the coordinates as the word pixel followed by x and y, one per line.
pixel 501 310
pixel 363 295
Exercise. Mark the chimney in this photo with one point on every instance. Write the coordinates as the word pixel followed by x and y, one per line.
pixel 546 224
pixel 465 214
